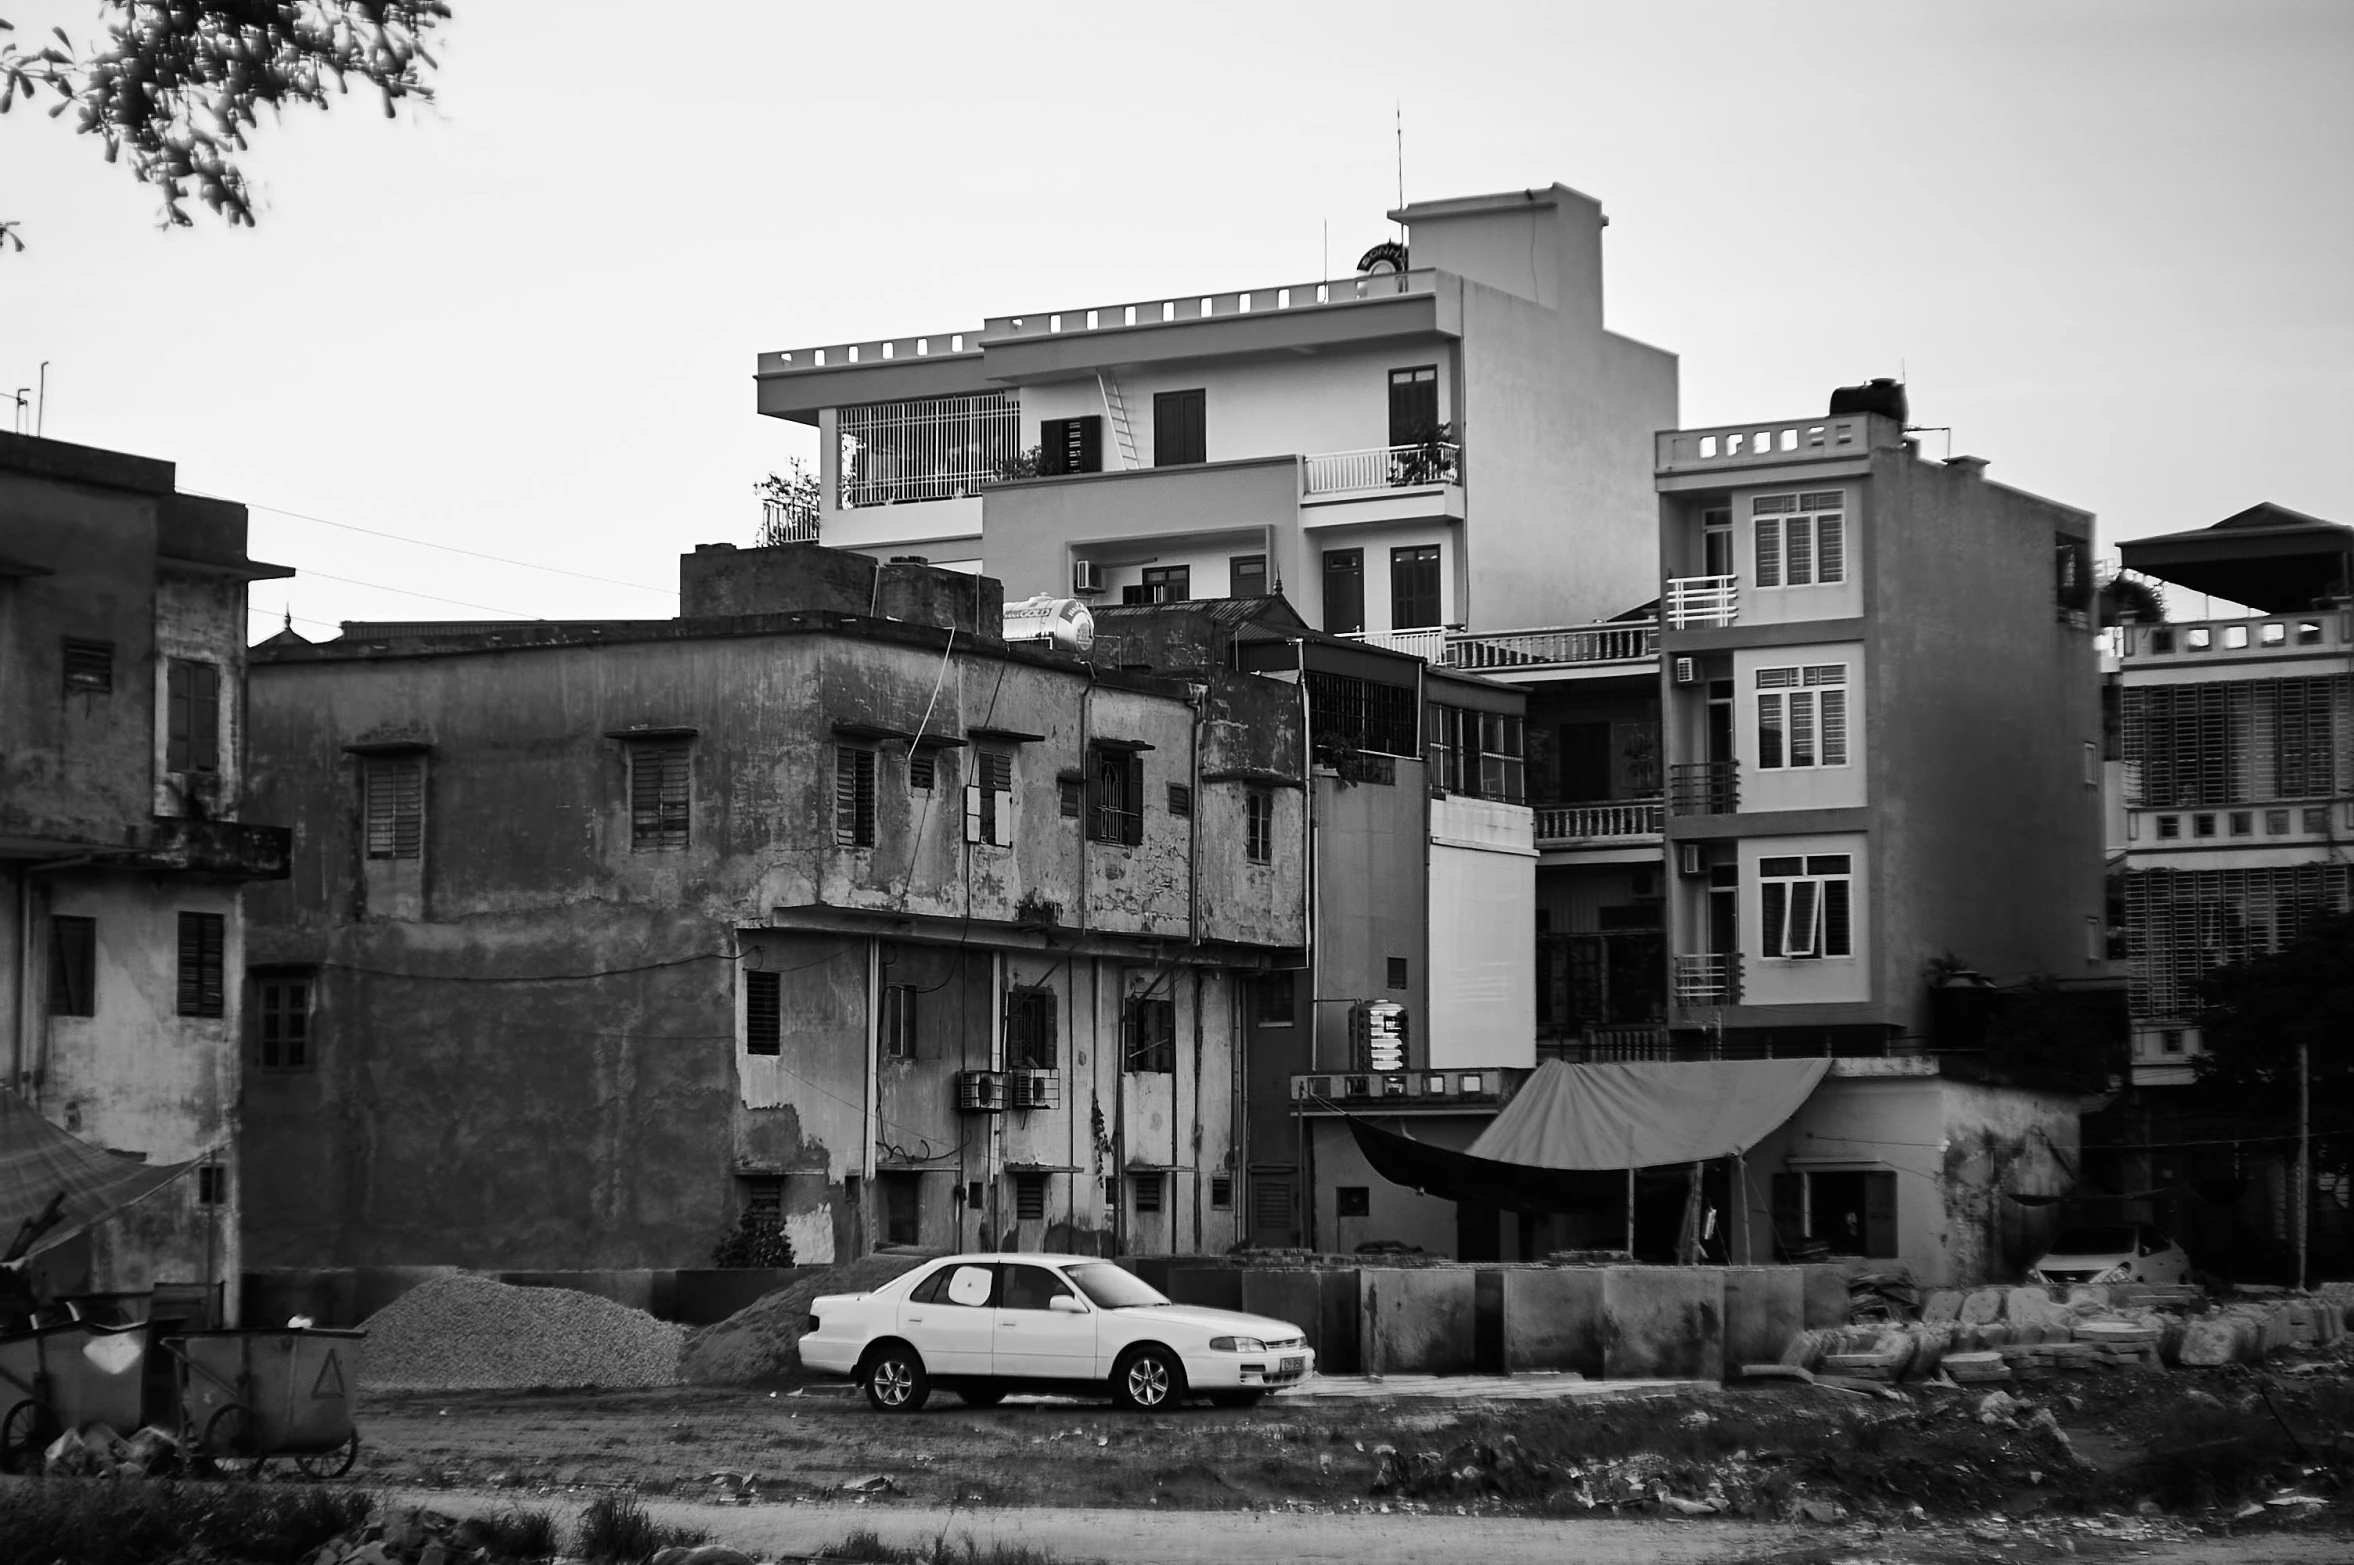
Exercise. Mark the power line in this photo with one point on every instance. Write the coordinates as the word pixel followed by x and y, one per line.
pixel 410 592
pixel 426 543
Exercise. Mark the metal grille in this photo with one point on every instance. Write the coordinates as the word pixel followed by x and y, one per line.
pixel 933 448
pixel 2181 924
pixel 2235 741
pixel 763 1012
pixel 1369 716
pixel 657 797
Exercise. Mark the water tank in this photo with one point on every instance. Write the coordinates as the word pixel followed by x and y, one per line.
pixel 1062 622
pixel 1882 395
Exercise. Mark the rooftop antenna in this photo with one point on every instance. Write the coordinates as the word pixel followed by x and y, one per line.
pixel 1324 266
pixel 1401 113
pixel 41 408
pixel 22 401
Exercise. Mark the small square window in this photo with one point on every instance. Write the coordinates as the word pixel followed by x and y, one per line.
pixel 1352 1201
pixel 1030 1198
pixel 1470 1081
pixel 1222 1192
pixel 2169 826
pixel 2235 636
pixel 2276 823
pixel 2243 823
pixel 2308 633
pixel 922 770
pixel 1180 799
pixel 2199 638
pixel 2275 634
pixel 2161 642
pixel 1147 1188
pixel 89 666
pixel 212 1185
pixel 2170 1041
pixel 2317 818
pixel 1397 973
pixel 1272 999
pixel 2202 825
pixel 1073 794
pixel 764 1197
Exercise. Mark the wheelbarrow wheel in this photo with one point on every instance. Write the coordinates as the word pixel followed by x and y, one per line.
pixel 333 1462
pixel 228 1441
pixel 21 1434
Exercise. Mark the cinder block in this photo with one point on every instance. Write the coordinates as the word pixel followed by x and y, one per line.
pixel 1553 1320
pixel 1765 1306
pixel 1664 1322
pixel 1943 1304
pixel 1826 1295
pixel 2025 1304
pixel 1982 1307
pixel 1418 1321
pixel 1344 1319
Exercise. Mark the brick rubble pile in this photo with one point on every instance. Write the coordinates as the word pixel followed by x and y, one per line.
pixel 468 1333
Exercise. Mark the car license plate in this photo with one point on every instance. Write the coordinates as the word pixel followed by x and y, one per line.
pixel 1293 1366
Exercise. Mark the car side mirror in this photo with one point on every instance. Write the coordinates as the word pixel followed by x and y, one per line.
pixel 1064 1304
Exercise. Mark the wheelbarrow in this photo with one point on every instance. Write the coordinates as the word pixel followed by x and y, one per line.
pixel 248 1396
pixel 64 1376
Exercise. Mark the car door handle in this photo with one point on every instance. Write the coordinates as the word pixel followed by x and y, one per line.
pixel 915 1320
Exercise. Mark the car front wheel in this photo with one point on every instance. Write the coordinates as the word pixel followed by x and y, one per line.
pixel 1148 1379
pixel 895 1379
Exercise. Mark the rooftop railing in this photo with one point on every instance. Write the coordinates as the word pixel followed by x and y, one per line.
pixel 1209 306
pixel 1558 825
pixel 1429 645
pixel 1385 467
pixel 880 350
pixel 1628 641
pixel 1750 445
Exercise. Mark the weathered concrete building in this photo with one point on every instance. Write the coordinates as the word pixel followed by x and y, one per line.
pixel 819 899
pixel 123 842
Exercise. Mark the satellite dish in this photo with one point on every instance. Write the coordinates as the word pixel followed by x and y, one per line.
pixel 1383 259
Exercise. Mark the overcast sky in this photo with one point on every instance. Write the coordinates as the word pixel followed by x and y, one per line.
pixel 2112 244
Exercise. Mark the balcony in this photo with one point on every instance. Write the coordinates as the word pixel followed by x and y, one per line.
pixel 787 521
pixel 1701 602
pixel 1386 467
pixel 1567 825
pixel 1629 641
pixel 1704 787
pixel 1429 645
pixel 1708 978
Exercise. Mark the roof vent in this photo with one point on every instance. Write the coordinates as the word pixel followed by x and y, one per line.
pixel 1975 466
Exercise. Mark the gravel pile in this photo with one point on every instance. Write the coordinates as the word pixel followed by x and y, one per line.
pixel 761 1342
pixel 469 1333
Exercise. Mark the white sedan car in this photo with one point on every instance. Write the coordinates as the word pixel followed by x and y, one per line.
pixel 985 1325
pixel 2112 1252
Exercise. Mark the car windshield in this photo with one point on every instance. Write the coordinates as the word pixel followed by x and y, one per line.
pixel 2094 1241
pixel 1114 1288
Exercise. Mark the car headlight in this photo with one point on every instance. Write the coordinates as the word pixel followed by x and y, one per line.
pixel 1237 1345
pixel 2116 1273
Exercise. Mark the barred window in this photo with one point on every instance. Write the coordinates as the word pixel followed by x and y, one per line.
pixel 1030 1042
pixel 2234 741
pixel 658 795
pixel 854 796
pixel 1259 826
pixel 1148 1191
pixel 89 666
pixel 203 939
pixel 1150 1027
pixel 764 1026
pixel 1364 714
pixel 395 805
pixel 1030 1198
pixel 927 448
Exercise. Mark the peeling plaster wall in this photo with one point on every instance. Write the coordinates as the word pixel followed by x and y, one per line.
pixel 1955 1148
pixel 603 1113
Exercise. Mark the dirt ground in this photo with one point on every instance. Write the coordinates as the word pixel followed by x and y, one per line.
pixel 2116 1463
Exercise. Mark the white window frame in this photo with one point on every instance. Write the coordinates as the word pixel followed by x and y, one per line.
pixel 1787 534
pixel 989 812
pixel 1805 708
pixel 1799 928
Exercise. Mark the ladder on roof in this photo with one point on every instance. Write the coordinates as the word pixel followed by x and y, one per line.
pixel 1116 410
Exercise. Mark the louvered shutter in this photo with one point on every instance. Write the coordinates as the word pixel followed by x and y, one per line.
pixel 1132 801
pixel 201 959
pixel 763 1013
pixel 659 785
pixel 177 697
pixel 395 808
pixel 1769 551
pixel 854 797
pixel 1830 549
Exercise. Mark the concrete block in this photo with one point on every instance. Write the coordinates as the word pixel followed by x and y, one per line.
pixel 1826 1295
pixel 1982 1307
pixel 2024 1304
pixel 1663 1321
pixel 1289 1295
pixel 2085 1293
pixel 2210 1341
pixel 1487 1322
pixel 1214 1287
pixel 1553 1320
pixel 1344 1319
pixel 1943 1304
pixel 1765 1306
pixel 1417 1322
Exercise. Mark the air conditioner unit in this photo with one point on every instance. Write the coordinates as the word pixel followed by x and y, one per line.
pixel 1687 672
pixel 1086 576
pixel 1691 859
pixel 1036 1089
pixel 980 1092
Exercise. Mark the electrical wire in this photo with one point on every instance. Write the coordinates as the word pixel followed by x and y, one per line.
pixel 410 592
pixel 424 543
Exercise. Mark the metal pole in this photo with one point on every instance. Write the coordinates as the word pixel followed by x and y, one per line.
pixel 2304 1157
pixel 1630 1213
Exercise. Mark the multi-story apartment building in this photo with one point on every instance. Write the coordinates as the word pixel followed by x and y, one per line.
pixel 819 900
pixel 1415 995
pixel 2236 751
pixel 124 847
pixel 1454 442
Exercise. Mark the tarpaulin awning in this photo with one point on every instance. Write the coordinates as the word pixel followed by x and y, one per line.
pixel 1565 1141
pixel 38 1162
pixel 1642 1113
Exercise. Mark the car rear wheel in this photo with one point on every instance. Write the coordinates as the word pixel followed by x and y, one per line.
pixel 895 1379
pixel 1148 1379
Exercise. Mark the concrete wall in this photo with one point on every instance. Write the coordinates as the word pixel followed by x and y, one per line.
pixel 1956 1149
pixel 1483 892
pixel 1122 520
pixel 1372 900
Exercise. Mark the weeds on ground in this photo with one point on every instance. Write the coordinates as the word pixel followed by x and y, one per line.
pixel 616 1530
pixel 146 1523
pixel 522 1535
pixel 867 1546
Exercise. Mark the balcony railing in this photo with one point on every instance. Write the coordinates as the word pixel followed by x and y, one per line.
pixel 1429 645
pixel 1607 1045
pixel 1701 602
pixel 1629 641
pixel 1704 787
pixel 1210 306
pixel 784 521
pixel 1564 823
pixel 1708 978
pixel 1386 467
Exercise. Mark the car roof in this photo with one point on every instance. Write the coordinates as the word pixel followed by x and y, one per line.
pixel 1036 1257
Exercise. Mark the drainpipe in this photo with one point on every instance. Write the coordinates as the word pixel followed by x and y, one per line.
pixel 1193 824
pixel 1197 1112
pixel 874 1086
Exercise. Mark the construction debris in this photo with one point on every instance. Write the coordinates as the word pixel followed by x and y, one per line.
pixel 470 1333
